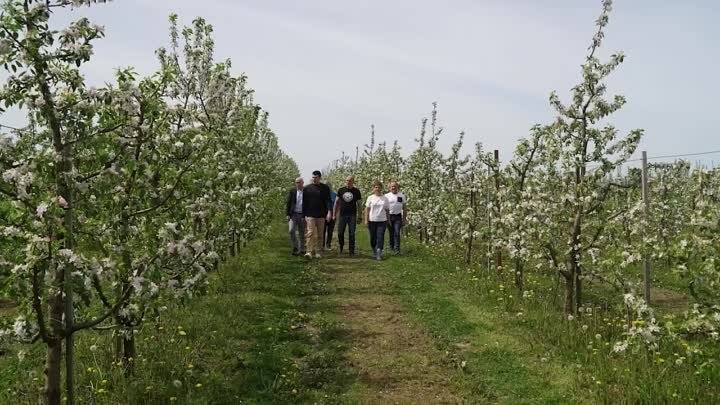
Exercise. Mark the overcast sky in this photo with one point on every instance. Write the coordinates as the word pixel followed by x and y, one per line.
pixel 326 70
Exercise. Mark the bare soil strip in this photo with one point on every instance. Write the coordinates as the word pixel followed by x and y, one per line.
pixel 394 361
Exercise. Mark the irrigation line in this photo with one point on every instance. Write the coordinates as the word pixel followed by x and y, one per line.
pixel 711 152
pixel 9 127
pixel 676 156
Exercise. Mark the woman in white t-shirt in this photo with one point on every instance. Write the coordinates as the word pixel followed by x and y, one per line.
pixel 377 214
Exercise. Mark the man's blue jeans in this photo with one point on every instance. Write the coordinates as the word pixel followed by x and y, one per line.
pixel 350 221
pixel 395 228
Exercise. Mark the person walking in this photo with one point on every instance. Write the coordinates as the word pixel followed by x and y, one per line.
pixel 316 200
pixel 377 213
pixel 345 213
pixel 295 217
pixel 398 215
pixel 330 225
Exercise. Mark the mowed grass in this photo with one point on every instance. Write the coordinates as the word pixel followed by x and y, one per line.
pixel 522 350
pixel 495 361
pixel 258 336
pixel 276 329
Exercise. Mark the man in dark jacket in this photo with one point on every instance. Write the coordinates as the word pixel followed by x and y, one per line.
pixel 295 217
pixel 316 200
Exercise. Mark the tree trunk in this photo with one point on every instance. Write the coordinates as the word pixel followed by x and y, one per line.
pixel 53 360
pixel 124 321
pixel 468 253
pixel 575 271
pixel 118 342
pixel 129 354
pixel 569 295
pixel 233 244
pixel 471 238
pixel 57 308
pixel 578 289
pixel 519 276
pixel 52 372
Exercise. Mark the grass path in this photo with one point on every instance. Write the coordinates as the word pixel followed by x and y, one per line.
pixel 277 329
pixel 394 360
pixel 417 335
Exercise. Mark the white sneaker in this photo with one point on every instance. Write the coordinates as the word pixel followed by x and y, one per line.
pixel 318 256
pixel 308 255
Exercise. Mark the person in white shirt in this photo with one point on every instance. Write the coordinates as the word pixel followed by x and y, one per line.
pixel 295 218
pixel 398 215
pixel 377 213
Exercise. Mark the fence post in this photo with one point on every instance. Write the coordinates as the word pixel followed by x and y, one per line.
pixel 646 211
pixel 498 251
pixel 489 216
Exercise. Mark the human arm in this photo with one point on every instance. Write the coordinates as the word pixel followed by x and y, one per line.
pixel 328 203
pixel 336 209
pixel 288 205
pixel 358 202
pixel 304 201
pixel 367 211
pixel 405 210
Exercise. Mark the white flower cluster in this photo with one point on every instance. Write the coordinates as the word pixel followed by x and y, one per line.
pixel 128 191
pixel 643 330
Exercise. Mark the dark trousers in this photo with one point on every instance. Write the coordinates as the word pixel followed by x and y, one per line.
pixel 377 235
pixel 350 221
pixel 395 228
pixel 329 228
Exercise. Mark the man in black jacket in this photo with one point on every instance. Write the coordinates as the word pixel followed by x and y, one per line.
pixel 295 217
pixel 316 200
